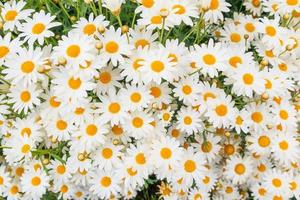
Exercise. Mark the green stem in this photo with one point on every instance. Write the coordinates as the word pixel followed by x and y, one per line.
pixel 94 8
pixel 100 6
pixel 133 20
pixel 64 10
pixel 162 30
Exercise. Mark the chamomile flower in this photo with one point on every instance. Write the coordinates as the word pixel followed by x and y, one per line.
pixel 5 179
pixel 34 183
pixel 24 97
pixel 255 6
pixel 214 10
pixel 209 146
pixel 247 80
pixel 13 12
pixel 37 28
pixel 285 148
pixel 103 184
pixel 189 120
pixel 209 58
pixel 70 88
pixel 188 89
pixel 115 46
pixel 24 66
pixel 157 66
pixel 191 167
pixel 59 172
pixel 8 47
pixel 78 50
pixel 138 124
pixel 221 112
pixel 260 143
pixel 107 156
pixel 89 26
pixel 91 133
pixel 136 97
pixel 141 37
pixel 277 183
pixel 112 109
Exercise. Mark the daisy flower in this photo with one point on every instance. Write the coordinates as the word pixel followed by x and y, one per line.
pixel 189 120
pixel 247 80
pixel 285 148
pixel 160 93
pixel 24 98
pixel 254 6
pixel 115 46
pixel 208 146
pixel 77 49
pixel 277 183
pixel 13 13
pixel 37 28
pixel 165 153
pixel 238 169
pixel 141 37
pixel 112 109
pixel 190 167
pixel 69 87
pixel 184 12
pixel 136 97
pixel 103 184
pixel 5 179
pixel 221 111
pixel 209 58
pixel 89 26
pixel 157 66
pixel 214 9
pixel 91 133
pixel 8 47
pixel 59 172
pixel 260 143
pixel 24 66
pixel 107 156
pixel 187 89
pixel 137 124
pixel 34 183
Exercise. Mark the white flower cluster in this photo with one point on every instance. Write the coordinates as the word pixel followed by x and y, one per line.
pixel 211 112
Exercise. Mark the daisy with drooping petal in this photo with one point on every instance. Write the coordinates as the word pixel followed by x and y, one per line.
pixel 37 28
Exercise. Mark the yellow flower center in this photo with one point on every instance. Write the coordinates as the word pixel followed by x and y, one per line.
pixel 157 66
pixel 10 15
pixel 25 96
pixel 38 28
pixel 111 47
pixel 73 51
pixel 165 153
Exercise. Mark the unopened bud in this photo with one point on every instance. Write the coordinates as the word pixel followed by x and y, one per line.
pixel 101 29
pixel 62 61
pixel 99 45
pixel 73 18
pixel 289 47
pixel 46 161
pixel 246 36
pixel 124 29
pixel 81 157
pixel 164 13
pixel 116 142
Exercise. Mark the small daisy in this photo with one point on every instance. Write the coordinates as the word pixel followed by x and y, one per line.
pixel 214 10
